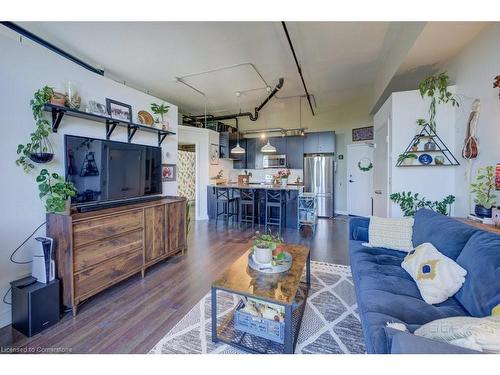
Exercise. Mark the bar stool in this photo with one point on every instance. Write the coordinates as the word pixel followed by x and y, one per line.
pixel 229 202
pixel 274 209
pixel 247 206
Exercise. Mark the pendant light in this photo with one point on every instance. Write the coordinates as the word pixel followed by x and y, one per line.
pixel 268 148
pixel 237 149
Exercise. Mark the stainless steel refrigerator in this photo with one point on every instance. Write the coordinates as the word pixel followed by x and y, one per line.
pixel 318 179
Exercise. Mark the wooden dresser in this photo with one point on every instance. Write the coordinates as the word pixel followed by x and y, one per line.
pixel 95 250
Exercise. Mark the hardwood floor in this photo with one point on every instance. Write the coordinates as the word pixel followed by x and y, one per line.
pixel 134 315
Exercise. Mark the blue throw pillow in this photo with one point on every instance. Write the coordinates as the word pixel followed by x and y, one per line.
pixel 481 258
pixel 448 235
pixel 360 234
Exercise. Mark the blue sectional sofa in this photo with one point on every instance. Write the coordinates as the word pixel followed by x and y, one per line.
pixel 386 292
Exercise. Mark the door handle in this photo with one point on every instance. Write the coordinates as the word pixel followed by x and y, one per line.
pixel 378 191
pixel 351 180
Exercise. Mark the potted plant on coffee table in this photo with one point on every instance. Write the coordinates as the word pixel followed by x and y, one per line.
pixel 484 188
pixel 266 246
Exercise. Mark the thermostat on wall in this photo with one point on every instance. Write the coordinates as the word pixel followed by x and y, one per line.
pixel 341 157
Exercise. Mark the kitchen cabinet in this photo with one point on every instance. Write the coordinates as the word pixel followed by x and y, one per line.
pixel 311 143
pixel 280 144
pixel 251 151
pixel 224 145
pixel 322 142
pixel 239 160
pixel 295 152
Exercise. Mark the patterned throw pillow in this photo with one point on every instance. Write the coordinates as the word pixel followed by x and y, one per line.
pixel 390 233
pixel 481 334
pixel 437 276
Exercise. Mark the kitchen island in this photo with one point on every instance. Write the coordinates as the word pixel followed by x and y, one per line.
pixel 290 191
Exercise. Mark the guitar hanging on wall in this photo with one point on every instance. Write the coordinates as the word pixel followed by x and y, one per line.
pixel 471 149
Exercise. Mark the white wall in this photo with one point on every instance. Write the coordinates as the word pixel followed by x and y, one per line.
pixel 24 68
pixel 473 71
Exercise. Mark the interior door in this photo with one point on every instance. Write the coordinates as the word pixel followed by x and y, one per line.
pixel 359 182
pixel 381 171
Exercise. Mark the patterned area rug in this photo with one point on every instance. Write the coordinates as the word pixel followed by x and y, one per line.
pixel 330 324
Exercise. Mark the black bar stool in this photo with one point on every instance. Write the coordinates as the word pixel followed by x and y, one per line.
pixel 247 206
pixel 229 202
pixel 274 209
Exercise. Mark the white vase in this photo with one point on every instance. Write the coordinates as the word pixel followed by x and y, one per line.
pixel 164 125
pixel 263 256
pixel 284 181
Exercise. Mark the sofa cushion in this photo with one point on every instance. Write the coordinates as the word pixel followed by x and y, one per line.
pixel 481 258
pixel 391 233
pixel 360 234
pixel 449 236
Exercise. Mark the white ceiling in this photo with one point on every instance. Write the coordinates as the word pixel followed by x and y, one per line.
pixel 340 60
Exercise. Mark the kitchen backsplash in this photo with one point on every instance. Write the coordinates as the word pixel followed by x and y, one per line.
pixel 258 175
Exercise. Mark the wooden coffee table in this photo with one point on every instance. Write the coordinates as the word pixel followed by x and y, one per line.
pixel 284 289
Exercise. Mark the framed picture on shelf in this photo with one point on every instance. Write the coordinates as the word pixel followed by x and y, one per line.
pixel 362 134
pixel 97 108
pixel 168 172
pixel 118 110
pixel 214 154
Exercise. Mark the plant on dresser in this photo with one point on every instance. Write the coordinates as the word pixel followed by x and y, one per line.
pixel 483 189
pixel 55 191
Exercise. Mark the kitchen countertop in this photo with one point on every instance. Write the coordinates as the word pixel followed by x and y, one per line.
pixel 254 185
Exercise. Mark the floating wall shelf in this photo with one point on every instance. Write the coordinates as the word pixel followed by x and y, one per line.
pixel 441 149
pixel 59 112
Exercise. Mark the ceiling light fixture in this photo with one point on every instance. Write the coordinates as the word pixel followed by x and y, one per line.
pixel 238 150
pixel 268 148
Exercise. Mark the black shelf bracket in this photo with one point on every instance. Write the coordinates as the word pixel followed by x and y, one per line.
pixel 110 127
pixel 57 115
pixel 131 129
pixel 161 137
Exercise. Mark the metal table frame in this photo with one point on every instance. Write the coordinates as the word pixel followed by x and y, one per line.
pixel 290 337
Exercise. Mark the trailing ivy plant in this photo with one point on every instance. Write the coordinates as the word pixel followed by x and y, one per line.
pixel 54 190
pixel 484 186
pixel 410 203
pixel 42 129
pixel 436 88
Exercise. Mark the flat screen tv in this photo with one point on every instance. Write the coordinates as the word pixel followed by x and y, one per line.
pixel 105 171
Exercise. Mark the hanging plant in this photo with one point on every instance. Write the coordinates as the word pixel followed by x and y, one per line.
pixel 39 149
pixel 436 88
pixel 365 167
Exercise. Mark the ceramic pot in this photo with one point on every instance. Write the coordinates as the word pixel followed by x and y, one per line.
pixel 58 99
pixel 41 157
pixel 408 161
pixel 164 125
pixel 439 160
pixel 430 146
pixel 481 211
pixel 263 256
pixel 284 181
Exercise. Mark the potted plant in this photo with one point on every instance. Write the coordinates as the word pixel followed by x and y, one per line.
pixel 283 175
pixel 161 110
pixel 55 191
pixel 483 188
pixel 39 149
pixel 410 203
pixel 436 88
pixel 265 246
pixel 406 159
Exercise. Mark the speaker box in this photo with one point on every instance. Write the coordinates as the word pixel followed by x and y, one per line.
pixel 35 307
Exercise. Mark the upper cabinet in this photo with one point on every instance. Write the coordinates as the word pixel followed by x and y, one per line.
pixel 295 152
pixel 322 142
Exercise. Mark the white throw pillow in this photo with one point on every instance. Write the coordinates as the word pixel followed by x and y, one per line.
pixel 481 334
pixel 437 276
pixel 391 233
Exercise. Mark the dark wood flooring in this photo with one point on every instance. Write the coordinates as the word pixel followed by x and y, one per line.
pixel 134 315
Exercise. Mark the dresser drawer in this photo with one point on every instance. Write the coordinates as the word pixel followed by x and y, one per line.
pixel 98 252
pixel 103 227
pixel 94 279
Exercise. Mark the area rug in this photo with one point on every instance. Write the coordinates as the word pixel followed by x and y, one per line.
pixel 330 324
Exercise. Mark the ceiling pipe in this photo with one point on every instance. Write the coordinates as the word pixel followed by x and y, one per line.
pixel 308 96
pixel 255 115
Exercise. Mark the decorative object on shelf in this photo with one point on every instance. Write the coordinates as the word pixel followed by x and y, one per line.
pixel 496 84
pixel 268 254
pixel 97 108
pixel 161 110
pixel 436 88
pixel 495 216
pixel 214 154
pixel 471 149
pixel 406 159
pixel 439 160
pixel 483 189
pixel 430 145
pixel 410 203
pixel 365 164
pixel 118 110
pixel 55 192
pixel 57 98
pixel 168 172
pixel 39 149
pixel 73 100
pixel 439 146
pixel 425 159
pixel 362 134
pixel 145 118
pixel 283 175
